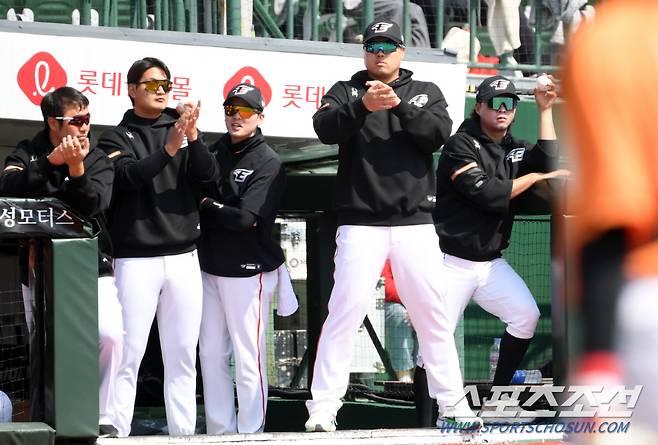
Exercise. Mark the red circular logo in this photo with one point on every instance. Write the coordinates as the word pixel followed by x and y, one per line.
pixel 39 76
pixel 251 76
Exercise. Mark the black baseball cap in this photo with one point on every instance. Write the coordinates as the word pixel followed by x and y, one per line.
pixel 249 93
pixel 495 86
pixel 382 28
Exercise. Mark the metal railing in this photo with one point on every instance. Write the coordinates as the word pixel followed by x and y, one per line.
pixel 184 15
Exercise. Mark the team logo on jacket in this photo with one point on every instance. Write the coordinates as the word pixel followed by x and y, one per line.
pixel 419 100
pixel 241 174
pixel 516 155
pixel 355 93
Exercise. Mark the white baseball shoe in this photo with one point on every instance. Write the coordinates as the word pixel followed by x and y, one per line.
pixel 321 422
pixel 505 411
pixel 460 420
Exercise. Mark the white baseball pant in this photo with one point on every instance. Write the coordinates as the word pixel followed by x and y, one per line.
pixel 168 287
pixel 110 340
pixel 416 263
pixel 235 314
pixel 495 287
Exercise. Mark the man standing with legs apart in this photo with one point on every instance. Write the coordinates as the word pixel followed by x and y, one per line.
pixel 154 225
pixel 240 264
pixel 60 163
pixel 481 170
pixel 387 126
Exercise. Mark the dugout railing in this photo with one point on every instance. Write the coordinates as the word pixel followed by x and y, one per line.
pixel 317 20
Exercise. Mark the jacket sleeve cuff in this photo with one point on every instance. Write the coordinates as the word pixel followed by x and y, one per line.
pixel 80 181
pixel 403 109
pixel 359 108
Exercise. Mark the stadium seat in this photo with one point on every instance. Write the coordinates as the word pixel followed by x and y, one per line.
pixel 55 11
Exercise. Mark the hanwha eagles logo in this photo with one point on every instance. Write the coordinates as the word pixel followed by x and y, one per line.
pixel 419 100
pixel 499 84
pixel 381 27
pixel 242 89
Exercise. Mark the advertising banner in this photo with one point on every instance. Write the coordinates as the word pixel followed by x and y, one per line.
pixel 292 83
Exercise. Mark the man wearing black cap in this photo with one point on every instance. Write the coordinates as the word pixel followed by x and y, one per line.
pixel 386 126
pixel 240 263
pixel 482 169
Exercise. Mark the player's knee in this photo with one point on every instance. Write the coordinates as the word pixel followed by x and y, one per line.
pixel 525 321
pixel 531 315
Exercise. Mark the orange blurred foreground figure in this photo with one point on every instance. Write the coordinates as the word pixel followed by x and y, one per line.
pixel 612 108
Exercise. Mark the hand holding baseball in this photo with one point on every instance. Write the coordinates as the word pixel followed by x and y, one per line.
pixel 545 91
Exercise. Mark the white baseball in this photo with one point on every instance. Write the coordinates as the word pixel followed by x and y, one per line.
pixel 186 104
pixel 543 82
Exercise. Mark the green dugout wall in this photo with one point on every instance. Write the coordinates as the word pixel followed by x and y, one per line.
pixel 63 281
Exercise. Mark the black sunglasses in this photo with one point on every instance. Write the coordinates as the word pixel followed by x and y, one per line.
pixel 495 103
pixel 385 47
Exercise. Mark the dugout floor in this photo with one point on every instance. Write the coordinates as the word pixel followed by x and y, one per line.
pixel 350 437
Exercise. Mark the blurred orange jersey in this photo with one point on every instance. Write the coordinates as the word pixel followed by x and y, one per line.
pixel 609 82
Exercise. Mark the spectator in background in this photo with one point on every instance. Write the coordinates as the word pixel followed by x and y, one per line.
pixel 392 11
pixel 401 341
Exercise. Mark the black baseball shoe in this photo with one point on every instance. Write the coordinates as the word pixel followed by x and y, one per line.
pixel 107 431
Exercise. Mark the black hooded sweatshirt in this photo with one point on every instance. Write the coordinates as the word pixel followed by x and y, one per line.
pixel 88 194
pixel 385 172
pixel 474 213
pixel 154 206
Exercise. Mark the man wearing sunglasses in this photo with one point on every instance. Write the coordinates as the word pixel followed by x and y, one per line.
pixel 387 126
pixel 59 162
pixel 242 266
pixel 482 170
pixel 158 158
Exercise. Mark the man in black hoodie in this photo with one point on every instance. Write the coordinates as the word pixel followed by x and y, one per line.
pixel 482 169
pixel 386 126
pixel 154 222
pixel 60 163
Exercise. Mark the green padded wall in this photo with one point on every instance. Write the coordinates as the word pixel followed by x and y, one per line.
pixel 26 433
pixel 75 337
